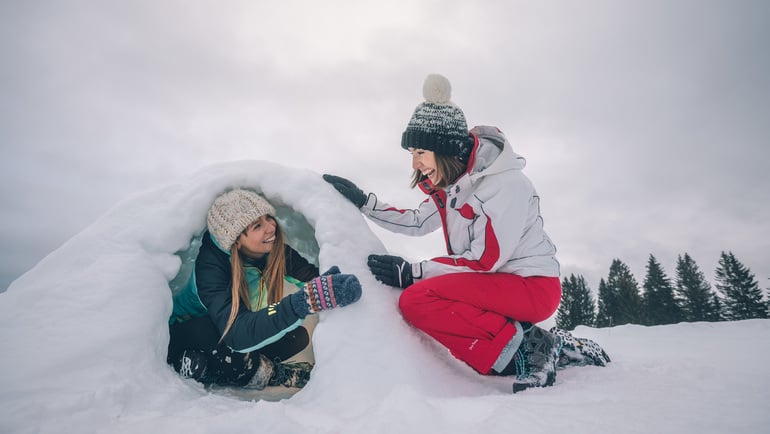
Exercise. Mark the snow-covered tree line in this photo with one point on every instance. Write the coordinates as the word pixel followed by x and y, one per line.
pixel 661 300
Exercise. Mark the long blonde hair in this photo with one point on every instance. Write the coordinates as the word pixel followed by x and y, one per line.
pixel 272 277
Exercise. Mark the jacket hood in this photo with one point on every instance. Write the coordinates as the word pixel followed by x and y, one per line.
pixel 492 153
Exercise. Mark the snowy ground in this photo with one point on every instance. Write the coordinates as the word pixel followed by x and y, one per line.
pixel 84 340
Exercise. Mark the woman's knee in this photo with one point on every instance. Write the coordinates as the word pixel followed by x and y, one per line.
pixel 410 301
pixel 420 301
pixel 550 291
pixel 405 302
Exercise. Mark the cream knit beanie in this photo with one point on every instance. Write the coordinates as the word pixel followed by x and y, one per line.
pixel 232 212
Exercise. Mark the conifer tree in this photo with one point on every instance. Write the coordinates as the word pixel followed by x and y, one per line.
pixel 620 299
pixel 694 295
pixel 605 304
pixel 658 298
pixel 768 302
pixel 743 299
pixel 717 311
pixel 577 304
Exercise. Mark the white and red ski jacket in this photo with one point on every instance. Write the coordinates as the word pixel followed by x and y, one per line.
pixel 490 216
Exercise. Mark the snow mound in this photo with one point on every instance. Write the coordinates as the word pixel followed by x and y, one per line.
pixel 84 336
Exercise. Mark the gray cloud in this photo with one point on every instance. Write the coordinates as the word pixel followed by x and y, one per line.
pixel 645 125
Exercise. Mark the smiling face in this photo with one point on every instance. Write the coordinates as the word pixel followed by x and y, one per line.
pixel 258 238
pixel 425 162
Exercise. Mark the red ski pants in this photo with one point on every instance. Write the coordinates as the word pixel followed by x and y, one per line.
pixel 471 313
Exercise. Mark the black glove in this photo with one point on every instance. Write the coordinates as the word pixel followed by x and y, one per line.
pixel 391 270
pixel 347 189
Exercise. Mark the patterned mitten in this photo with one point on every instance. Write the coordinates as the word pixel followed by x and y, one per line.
pixel 326 292
pixel 579 351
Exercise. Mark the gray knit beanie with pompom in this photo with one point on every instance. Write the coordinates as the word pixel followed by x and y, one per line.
pixel 232 212
pixel 437 124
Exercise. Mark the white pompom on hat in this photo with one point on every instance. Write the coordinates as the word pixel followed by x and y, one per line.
pixel 437 90
pixel 437 124
pixel 232 212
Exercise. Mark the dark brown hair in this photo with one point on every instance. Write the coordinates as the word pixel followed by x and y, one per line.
pixel 449 168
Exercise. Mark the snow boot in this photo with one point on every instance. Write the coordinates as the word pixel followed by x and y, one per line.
pixel 535 359
pixel 264 373
pixel 291 374
pixel 194 364
pixel 231 368
pixel 579 351
pixel 276 373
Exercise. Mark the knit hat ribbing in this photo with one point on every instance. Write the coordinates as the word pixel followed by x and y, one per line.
pixel 437 124
pixel 232 212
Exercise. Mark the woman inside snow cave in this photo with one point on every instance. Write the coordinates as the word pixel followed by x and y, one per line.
pixel 500 275
pixel 233 325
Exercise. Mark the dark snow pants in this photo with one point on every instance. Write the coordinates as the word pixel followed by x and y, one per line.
pixel 472 314
pixel 225 366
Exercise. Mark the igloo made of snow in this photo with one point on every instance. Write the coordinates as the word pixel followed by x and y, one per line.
pixel 89 330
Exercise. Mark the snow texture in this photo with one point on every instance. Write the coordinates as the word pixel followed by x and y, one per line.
pixel 84 336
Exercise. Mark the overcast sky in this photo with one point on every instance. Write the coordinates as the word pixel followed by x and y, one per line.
pixel 646 125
